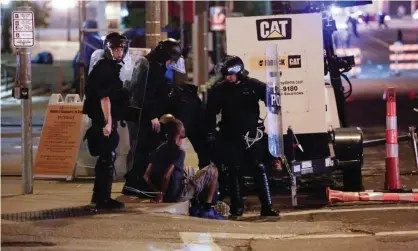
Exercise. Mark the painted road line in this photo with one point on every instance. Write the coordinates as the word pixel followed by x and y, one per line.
pixel 206 241
pixel 379 41
pixel 348 210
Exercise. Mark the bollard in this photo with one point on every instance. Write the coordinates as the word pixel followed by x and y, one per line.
pixel 414 140
pixel 392 177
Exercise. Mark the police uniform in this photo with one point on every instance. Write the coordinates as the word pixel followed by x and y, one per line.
pixel 104 82
pixel 184 103
pixel 238 104
pixel 152 104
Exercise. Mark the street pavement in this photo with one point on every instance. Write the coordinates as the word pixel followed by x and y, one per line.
pixel 370 230
pixel 315 226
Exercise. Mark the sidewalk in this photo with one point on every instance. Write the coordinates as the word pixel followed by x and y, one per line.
pixel 59 195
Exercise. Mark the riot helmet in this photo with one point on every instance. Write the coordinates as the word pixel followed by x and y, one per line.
pixel 169 49
pixel 231 65
pixel 115 40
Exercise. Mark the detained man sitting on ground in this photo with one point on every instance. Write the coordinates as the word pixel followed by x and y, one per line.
pixel 173 182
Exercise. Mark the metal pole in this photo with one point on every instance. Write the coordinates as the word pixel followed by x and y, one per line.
pixel 414 141
pixel 25 77
pixel 217 41
pixel 200 43
pixel 152 23
pixel 81 18
pixel 163 18
pixel 181 26
pixel 68 25
pixel 268 8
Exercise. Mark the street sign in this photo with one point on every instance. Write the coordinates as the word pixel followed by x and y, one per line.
pixel 23 29
pixel 217 18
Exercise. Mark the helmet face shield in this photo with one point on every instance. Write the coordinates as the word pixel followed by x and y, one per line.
pixel 179 65
pixel 234 70
pixel 169 49
pixel 230 65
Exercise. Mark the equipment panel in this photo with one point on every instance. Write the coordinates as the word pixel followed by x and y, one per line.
pixel 299 38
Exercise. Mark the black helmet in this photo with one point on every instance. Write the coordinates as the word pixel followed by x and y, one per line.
pixel 115 40
pixel 231 65
pixel 169 49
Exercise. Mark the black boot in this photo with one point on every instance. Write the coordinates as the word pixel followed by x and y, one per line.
pixel 134 177
pixel 93 198
pixel 104 177
pixel 95 186
pixel 223 182
pixel 263 189
pixel 235 185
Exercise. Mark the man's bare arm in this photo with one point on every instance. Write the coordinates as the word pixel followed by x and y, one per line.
pixel 106 108
pixel 147 174
pixel 166 179
pixel 147 178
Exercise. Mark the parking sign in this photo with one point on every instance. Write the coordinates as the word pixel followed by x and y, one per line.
pixel 23 29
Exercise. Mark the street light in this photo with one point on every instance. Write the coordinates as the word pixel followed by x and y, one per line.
pixel 65 5
pixel 5 2
pixel 335 10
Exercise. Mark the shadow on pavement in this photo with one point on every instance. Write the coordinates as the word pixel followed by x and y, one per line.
pixel 59 213
pixel 27 244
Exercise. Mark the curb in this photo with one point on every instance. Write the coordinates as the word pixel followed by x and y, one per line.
pixel 16 135
pixel 20 125
pixel 181 208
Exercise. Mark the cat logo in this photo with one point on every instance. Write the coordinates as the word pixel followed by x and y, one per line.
pixel 295 61
pixel 274 29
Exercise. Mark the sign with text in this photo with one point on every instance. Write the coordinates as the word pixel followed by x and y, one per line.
pixel 217 18
pixel 23 29
pixel 60 140
pixel 301 63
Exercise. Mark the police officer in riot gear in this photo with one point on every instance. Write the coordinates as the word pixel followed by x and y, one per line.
pixel 237 99
pixel 184 103
pixel 152 103
pixel 105 104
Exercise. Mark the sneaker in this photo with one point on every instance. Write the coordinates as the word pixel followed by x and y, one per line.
pixel 212 214
pixel 222 208
pixel 110 204
pixel 195 210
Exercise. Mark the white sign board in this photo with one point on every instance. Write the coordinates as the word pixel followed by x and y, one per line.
pixel 23 29
pixel 301 57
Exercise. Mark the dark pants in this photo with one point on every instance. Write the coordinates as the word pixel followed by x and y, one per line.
pixel 239 159
pixel 104 168
pixel 184 104
pixel 143 141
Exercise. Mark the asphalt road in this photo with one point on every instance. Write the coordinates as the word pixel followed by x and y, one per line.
pixel 370 230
